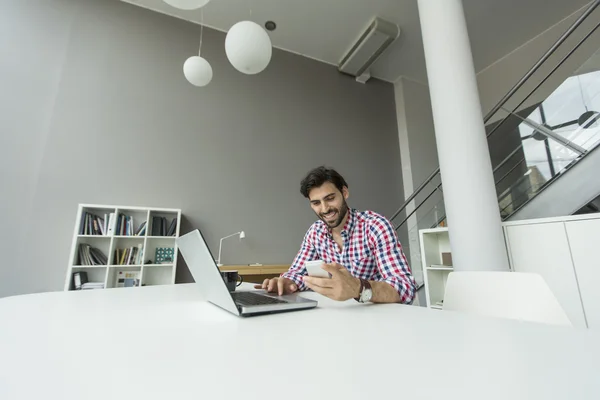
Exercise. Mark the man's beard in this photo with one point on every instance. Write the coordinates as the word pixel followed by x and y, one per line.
pixel 341 214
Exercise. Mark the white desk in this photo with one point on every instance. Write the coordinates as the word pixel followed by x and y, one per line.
pixel 165 343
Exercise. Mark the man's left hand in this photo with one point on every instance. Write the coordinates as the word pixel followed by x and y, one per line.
pixel 341 286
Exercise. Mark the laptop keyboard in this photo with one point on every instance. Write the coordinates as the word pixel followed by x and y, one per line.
pixel 254 299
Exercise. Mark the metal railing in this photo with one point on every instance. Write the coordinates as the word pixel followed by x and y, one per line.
pixel 500 106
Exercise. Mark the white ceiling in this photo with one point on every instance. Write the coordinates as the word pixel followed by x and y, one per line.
pixel 325 29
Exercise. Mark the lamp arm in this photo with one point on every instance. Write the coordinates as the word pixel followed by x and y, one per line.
pixel 221 245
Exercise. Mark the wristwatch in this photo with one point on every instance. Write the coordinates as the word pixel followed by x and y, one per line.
pixel 366 292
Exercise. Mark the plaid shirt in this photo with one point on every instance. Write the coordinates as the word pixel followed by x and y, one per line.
pixel 371 251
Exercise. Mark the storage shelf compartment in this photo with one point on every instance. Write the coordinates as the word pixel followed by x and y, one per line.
pixel 158 275
pixel 163 224
pixel 113 274
pixel 152 244
pixel 102 245
pixel 137 218
pixel 94 273
pixel 437 285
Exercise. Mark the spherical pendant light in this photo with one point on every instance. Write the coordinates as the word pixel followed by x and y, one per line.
pixel 197 71
pixel 187 4
pixel 248 47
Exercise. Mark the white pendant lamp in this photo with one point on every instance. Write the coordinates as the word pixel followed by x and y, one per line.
pixel 197 71
pixel 248 47
pixel 187 4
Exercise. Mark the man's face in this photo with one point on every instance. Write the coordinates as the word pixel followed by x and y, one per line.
pixel 329 203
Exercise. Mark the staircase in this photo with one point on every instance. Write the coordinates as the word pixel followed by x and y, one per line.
pixel 543 138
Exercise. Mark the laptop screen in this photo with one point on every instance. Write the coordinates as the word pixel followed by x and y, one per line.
pixel 204 269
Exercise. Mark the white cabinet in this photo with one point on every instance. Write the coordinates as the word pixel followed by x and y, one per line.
pixel 584 240
pixel 434 242
pixel 565 251
pixel 543 248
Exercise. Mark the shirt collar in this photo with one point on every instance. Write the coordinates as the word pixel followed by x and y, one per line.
pixel 350 222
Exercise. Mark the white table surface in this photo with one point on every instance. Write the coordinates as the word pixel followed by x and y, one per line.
pixel 166 343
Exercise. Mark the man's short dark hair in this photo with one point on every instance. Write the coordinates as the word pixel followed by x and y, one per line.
pixel 318 177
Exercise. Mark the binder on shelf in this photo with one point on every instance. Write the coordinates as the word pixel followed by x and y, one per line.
pixel 79 279
pixel 156 226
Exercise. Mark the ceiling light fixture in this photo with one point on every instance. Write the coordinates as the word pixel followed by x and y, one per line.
pixel 196 69
pixel 270 26
pixel 187 4
pixel 248 47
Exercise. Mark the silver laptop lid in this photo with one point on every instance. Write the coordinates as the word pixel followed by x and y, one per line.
pixel 205 271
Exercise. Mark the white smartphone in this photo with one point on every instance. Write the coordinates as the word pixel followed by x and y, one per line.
pixel 314 269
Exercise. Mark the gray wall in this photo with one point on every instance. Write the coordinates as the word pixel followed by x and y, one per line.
pixel 95 109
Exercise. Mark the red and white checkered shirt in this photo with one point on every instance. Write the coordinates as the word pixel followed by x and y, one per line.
pixel 371 251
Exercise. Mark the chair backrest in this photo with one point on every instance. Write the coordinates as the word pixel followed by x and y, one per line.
pixel 514 295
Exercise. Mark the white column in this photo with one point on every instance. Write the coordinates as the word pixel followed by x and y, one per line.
pixel 467 179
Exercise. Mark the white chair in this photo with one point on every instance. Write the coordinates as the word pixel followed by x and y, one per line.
pixel 513 295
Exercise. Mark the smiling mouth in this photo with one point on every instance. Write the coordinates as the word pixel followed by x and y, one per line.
pixel 330 216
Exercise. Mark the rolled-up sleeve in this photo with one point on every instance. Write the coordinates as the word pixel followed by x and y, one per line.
pixel 307 252
pixel 391 261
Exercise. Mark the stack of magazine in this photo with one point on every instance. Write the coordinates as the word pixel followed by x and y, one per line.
pixel 89 255
pixel 92 285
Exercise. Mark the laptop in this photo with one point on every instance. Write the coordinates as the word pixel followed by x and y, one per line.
pixel 202 265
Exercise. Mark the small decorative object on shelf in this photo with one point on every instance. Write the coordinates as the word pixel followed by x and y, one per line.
pixel 111 242
pixel 447 259
pixel 164 255
pixel 128 279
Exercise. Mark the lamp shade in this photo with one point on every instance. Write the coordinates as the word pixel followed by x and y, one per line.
pixel 197 71
pixel 242 235
pixel 248 47
pixel 187 4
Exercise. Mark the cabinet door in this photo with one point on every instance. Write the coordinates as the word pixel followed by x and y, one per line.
pixel 544 249
pixel 584 239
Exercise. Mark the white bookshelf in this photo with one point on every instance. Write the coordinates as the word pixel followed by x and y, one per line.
pixel 150 273
pixel 434 242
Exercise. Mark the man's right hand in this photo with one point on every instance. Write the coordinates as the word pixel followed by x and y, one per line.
pixel 278 285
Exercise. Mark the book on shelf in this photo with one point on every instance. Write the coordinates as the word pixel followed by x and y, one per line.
pixel 141 230
pixel 127 279
pixel 160 227
pixel 110 226
pixel 89 255
pixel 172 227
pixel 92 224
pixel 129 256
pixel 125 226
